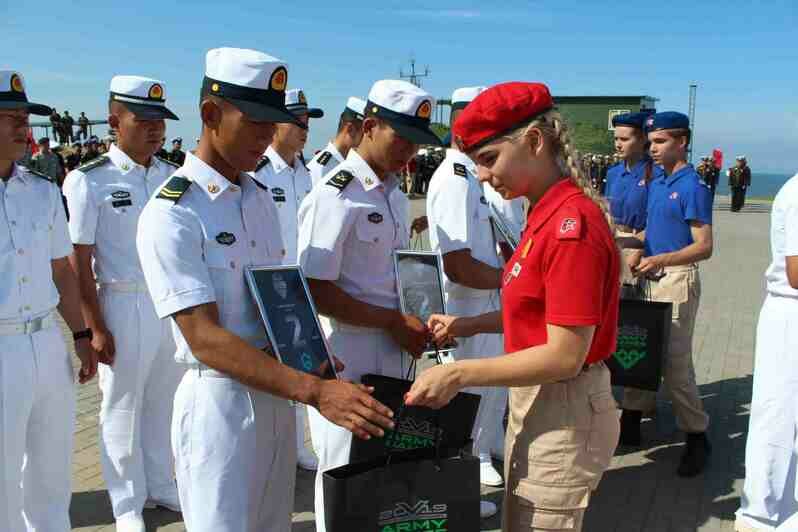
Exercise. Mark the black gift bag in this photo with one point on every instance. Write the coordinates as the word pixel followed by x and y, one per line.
pixel 415 428
pixel 429 489
pixel 643 332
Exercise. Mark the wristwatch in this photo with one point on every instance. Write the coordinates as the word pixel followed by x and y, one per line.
pixel 85 333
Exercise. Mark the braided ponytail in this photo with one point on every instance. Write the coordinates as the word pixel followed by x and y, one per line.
pixel 554 128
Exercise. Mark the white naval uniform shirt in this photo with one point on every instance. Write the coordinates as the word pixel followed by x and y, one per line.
pixel 105 203
pixel 195 250
pixel 317 169
pixel 459 218
pixel 288 187
pixel 513 210
pixel 783 238
pixel 348 236
pixel 33 232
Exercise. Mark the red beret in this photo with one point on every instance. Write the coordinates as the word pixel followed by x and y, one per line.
pixel 498 111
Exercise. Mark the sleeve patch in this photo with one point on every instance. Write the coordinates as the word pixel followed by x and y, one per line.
pixel 460 169
pixel 569 225
pixel 341 180
pixel 174 189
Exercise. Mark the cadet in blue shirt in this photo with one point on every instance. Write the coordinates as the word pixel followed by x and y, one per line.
pixel 678 235
pixel 627 182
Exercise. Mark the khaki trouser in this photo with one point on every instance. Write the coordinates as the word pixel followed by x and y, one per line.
pixel 560 440
pixel 682 287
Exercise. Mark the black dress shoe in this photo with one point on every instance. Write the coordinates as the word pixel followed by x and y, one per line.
pixel 696 455
pixel 630 428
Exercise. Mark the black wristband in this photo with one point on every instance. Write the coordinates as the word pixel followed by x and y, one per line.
pixel 85 333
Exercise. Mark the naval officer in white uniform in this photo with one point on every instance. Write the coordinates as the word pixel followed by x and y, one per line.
pixel 233 430
pixel 139 374
pixel 349 227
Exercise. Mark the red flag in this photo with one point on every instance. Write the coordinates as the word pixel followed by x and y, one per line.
pixel 34 148
pixel 717 157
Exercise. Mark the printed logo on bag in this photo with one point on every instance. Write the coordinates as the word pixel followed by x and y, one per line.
pixel 120 194
pixel 631 348
pixel 423 515
pixel 226 239
pixel 413 433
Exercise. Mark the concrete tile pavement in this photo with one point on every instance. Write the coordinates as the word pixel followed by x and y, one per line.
pixel 640 492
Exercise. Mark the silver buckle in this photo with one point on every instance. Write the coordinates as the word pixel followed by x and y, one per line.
pixel 34 325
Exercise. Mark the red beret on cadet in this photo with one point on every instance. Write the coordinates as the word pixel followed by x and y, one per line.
pixel 498 111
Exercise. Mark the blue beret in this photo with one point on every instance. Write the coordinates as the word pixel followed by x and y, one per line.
pixel 637 120
pixel 667 120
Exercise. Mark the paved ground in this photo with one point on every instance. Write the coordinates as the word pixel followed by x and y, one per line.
pixel 641 491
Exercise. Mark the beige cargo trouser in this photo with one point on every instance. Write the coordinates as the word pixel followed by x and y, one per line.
pixel 682 287
pixel 560 440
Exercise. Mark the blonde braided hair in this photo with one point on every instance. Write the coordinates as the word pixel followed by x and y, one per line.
pixel 553 127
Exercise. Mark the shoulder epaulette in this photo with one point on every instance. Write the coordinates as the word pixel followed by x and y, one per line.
pixel 94 163
pixel 263 162
pixel 341 179
pixel 167 161
pixel 259 184
pixel 174 189
pixel 324 158
pixel 460 169
pixel 39 174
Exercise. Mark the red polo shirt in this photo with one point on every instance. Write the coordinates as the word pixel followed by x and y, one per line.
pixel 566 271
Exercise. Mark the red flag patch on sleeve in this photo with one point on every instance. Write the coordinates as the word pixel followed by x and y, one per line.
pixel 569 225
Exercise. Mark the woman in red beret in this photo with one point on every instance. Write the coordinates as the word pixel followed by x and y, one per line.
pixel 559 313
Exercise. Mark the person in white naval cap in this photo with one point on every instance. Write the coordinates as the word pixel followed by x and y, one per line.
pixel 288 180
pixel 233 430
pixel 138 375
pixel 347 137
pixel 461 231
pixel 349 226
pixel 37 394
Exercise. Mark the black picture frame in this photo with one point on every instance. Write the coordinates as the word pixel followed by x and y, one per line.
pixel 289 315
pixel 419 281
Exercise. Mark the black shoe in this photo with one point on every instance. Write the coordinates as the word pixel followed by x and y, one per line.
pixel 630 428
pixel 696 455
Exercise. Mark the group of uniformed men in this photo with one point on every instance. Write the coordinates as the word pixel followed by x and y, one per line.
pixel 197 396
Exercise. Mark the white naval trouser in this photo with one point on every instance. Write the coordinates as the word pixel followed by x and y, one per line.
pixel 363 351
pixel 37 420
pixel 488 430
pixel 235 455
pixel 770 495
pixel 137 395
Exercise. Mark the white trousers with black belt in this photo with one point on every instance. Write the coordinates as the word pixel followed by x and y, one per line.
pixel 37 420
pixel 235 455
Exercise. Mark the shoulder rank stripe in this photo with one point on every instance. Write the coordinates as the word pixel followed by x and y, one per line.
pixel 39 174
pixel 324 158
pixel 263 162
pixel 341 180
pixel 167 161
pixel 174 189
pixel 460 169
pixel 260 185
pixel 94 163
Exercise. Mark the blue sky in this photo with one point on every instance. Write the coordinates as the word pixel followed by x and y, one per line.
pixel 741 54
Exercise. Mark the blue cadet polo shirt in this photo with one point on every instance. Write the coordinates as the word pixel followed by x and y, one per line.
pixel 627 192
pixel 673 201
